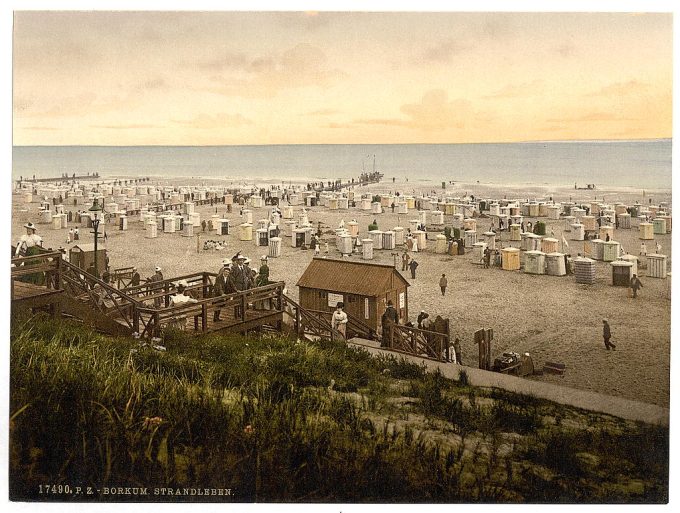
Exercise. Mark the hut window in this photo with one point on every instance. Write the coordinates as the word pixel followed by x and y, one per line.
pixel 323 294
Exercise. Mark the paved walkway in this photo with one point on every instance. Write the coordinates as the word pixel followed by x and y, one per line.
pixel 616 406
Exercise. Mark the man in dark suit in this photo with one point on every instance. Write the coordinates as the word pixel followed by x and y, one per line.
pixel 221 286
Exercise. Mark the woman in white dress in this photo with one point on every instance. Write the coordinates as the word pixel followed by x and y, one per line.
pixel 339 320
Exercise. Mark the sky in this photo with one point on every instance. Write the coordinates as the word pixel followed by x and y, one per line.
pixel 232 78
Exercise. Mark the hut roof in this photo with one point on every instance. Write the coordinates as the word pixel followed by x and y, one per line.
pixel 87 247
pixel 351 277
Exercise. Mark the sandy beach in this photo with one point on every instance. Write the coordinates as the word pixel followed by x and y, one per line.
pixel 552 318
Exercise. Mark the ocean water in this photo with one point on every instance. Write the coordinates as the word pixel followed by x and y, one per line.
pixel 640 164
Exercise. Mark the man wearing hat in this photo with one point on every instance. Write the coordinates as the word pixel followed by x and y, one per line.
pixel 221 286
pixel 239 280
pixel 240 274
pixel 389 317
pixel 154 285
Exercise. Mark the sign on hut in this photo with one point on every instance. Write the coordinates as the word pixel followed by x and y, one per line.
pixel 364 288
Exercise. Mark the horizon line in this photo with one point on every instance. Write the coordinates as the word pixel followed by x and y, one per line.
pixel 537 141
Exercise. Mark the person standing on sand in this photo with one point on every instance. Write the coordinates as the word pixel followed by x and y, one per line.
pixel 635 285
pixel 443 282
pixel 607 335
pixel 413 266
pixel 643 249
pixel 405 260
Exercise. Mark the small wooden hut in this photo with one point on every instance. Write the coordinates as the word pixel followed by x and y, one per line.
pixel 364 288
pixel 82 255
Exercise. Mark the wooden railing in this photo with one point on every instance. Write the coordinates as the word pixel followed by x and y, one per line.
pixel 158 293
pixel 419 342
pixel 41 269
pixel 355 327
pixel 98 295
pixel 307 322
pixel 239 310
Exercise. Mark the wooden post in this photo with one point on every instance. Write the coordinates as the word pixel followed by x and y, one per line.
pixel 298 322
pixel 204 317
pixel 57 276
pixel 488 338
pixel 205 285
pixel 447 340
pixel 135 319
pixel 479 339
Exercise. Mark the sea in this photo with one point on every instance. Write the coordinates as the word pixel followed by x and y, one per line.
pixel 634 163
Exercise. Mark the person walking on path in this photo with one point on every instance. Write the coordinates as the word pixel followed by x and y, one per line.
pixel 443 282
pixel 607 335
pixel 635 285
pixel 405 260
pixel 413 266
pixel 339 320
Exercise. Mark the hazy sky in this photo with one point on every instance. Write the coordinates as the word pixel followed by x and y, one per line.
pixel 124 78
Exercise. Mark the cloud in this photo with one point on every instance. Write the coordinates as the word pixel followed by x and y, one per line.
pixel 310 20
pixel 124 126
pixel 622 89
pixel 526 89
pixel 339 125
pixel 595 116
pixel 304 65
pixel 382 121
pixel 220 120
pixel 38 128
pixel 565 50
pixel 443 52
pixel 323 112
pixel 434 113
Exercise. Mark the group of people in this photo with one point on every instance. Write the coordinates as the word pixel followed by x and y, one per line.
pixel 236 275
pixel 214 245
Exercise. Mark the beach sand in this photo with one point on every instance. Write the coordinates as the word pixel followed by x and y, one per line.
pixel 552 318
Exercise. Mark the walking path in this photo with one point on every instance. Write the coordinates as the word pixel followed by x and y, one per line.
pixel 616 406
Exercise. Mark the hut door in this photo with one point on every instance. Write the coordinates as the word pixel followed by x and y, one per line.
pixel 354 306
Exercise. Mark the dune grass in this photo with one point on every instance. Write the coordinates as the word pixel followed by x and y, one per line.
pixel 277 420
